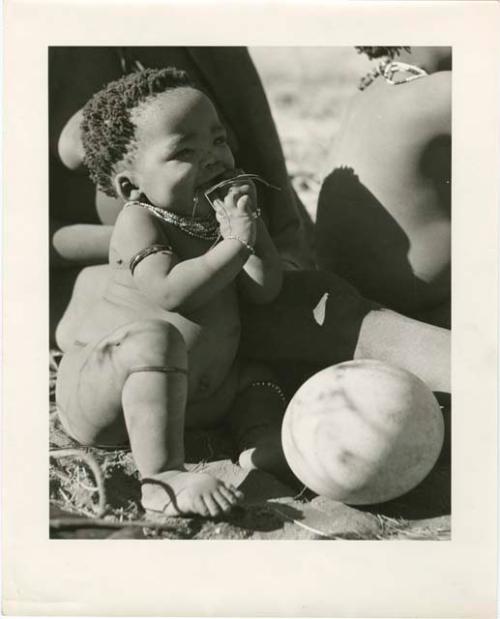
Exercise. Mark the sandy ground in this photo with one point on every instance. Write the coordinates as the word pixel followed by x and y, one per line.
pixel 308 90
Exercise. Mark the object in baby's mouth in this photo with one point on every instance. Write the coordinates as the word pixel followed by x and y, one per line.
pixel 226 179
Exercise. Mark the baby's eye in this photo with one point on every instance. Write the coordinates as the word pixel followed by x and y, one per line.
pixel 221 139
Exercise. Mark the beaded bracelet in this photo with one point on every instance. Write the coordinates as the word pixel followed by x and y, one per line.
pixel 268 384
pixel 244 243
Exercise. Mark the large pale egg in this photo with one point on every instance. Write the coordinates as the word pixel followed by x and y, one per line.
pixel 362 432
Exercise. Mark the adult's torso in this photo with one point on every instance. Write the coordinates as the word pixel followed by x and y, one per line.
pixel 384 211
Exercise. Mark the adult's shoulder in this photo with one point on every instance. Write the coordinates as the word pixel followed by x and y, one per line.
pixel 440 80
pixel 425 101
pixel 437 86
pixel 433 91
pixel 429 100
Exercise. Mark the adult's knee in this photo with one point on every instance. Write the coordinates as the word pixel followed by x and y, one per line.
pixel 150 342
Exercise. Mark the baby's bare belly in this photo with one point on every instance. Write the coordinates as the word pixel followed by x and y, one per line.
pixel 211 334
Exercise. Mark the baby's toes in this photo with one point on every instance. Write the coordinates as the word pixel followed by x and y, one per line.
pixel 200 507
pixel 231 494
pixel 223 503
pixel 212 505
pixel 238 494
pixel 217 504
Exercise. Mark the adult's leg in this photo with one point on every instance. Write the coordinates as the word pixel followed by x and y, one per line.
pixel 420 348
pixel 320 319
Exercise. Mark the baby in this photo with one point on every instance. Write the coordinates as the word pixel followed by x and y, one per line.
pixel 159 351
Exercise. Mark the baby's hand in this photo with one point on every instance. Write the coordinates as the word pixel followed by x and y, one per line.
pixel 237 212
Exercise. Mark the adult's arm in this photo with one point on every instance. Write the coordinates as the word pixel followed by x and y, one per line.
pixel 77 237
pixel 79 244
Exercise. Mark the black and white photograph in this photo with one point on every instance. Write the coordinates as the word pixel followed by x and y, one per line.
pixel 250 308
pixel 250 292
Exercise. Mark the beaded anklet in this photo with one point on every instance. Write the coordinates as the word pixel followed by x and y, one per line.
pixel 268 384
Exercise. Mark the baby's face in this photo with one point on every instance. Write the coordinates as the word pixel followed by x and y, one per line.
pixel 181 148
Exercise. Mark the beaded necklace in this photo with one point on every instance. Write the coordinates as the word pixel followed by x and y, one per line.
pixel 206 228
pixel 395 67
pixel 388 69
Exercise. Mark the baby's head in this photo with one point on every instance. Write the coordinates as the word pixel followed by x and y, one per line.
pixel 153 136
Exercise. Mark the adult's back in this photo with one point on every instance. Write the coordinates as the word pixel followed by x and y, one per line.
pixel 383 218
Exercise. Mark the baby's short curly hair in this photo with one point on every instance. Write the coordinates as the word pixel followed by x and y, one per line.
pixel 108 132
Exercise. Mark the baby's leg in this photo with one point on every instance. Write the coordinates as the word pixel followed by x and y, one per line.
pixel 255 421
pixel 134 383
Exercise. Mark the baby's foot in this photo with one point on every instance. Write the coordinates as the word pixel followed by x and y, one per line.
pixel 179 493
pixel 266 454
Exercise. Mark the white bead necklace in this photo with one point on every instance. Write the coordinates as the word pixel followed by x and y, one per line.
pixel 393 68
pixel 206 228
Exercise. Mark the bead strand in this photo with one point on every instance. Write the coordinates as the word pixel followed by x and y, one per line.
pixel 268 384
pixel 244 243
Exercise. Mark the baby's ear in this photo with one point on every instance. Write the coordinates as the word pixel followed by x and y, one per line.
pixel 125 188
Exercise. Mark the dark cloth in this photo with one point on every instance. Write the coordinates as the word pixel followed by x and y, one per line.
pixel 316 319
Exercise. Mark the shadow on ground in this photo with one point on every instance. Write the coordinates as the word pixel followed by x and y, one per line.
pixel 432 497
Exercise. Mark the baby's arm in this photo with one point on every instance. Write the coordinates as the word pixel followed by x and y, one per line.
pixel 176 286
pixel 262 276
